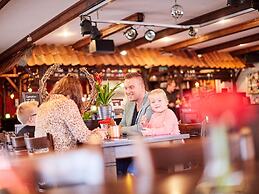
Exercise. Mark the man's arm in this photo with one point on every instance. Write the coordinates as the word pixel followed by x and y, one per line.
pixel 136 129
pixel 131 130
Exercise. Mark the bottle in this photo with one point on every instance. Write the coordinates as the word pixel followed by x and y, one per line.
pixel 247 151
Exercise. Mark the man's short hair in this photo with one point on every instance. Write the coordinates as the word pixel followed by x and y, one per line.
pixel 133 75
pixel 25 110
pixel 170 81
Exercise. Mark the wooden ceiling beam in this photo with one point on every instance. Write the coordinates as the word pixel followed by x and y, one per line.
pixel 111 29
pixel 3 3
pixel 12 83
pixel 229 44
pixel 245 50
pixel 213 35
pixel 64 17
pixel 198 20
pixel 9 75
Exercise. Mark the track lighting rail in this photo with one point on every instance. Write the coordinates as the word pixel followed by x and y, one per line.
pixel 177 26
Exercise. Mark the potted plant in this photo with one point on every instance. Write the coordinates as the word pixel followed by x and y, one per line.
pixel 104 96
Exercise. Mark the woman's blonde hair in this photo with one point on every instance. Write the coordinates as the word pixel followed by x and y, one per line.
pixel 158 92
pixel 70 86
pixel 25 110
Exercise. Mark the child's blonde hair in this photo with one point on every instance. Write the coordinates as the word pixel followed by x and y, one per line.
pixel 158 92
pixel 25 110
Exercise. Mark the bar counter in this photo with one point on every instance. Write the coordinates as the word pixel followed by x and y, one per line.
pixel 124 148
pixel 189 182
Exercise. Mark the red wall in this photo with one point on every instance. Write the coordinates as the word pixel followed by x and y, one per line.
pixel 10 105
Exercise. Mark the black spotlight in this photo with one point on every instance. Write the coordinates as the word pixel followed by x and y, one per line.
pixel 150 35
pixel 86 26
pixel 192 32
pixel 95 33
pixel 131 33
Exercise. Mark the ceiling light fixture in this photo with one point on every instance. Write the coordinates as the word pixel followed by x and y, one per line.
pixel 87 28
pixel 177 11
pixel 192 31
pixel 12 95
pixel 150 35
pixel 86 25
pixel 29 89
pixel 131 33
pixel 29 38
pixel 95 33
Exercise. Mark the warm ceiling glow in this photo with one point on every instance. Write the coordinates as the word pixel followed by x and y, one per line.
pixel 166 39
pixel 65 34
pixel 123 52
pixel 242 45
pixel 224 21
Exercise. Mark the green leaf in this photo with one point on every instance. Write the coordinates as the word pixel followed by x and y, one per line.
pixel 105 93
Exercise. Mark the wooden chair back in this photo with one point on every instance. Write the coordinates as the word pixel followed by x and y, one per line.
pixel 177 157
pixel 18 143
pixel 194 129
pixel 39 144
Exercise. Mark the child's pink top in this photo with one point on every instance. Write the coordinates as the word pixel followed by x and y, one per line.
pixel 164 123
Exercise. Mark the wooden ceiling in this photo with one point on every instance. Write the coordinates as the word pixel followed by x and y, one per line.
pixel 215 38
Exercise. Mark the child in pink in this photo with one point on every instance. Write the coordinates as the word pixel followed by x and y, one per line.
pixel 163 120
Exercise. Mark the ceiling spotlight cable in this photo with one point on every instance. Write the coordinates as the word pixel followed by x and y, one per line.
pixel 177 26
pixel 98 6
pixel 97 14
pixel 146 24
pixel 240 13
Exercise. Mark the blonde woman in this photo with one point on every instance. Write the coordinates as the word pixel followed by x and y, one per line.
pixel 163 120
pixel 60 115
